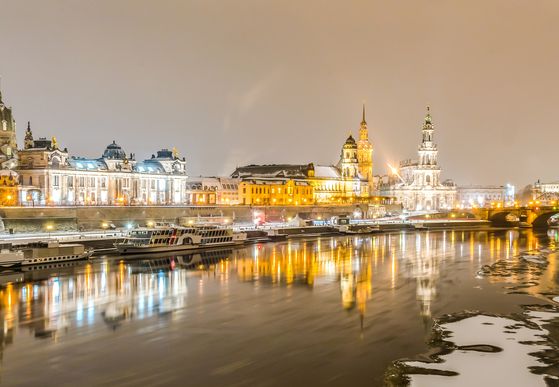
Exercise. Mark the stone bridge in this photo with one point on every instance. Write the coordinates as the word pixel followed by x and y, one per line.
pixel 536 216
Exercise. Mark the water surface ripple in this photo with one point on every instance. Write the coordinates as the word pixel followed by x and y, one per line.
pixel 329 311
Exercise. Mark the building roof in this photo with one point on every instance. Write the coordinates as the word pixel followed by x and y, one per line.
pixel 114 151
pixel 350 142
pixel 327 171
pixel 272 170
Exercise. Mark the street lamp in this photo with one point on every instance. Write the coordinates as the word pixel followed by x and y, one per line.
pixel 49 228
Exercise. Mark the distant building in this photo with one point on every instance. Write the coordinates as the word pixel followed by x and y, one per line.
pixel 546 193
pixel 472 196
pixel 417 184
pixel 551 187
pixel 212 190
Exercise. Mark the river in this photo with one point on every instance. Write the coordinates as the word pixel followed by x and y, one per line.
pixel 338 311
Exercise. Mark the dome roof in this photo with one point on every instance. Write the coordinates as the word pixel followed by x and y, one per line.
pixel 350 142
pixel 114 151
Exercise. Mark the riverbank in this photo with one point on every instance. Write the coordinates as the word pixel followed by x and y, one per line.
pixel 34 219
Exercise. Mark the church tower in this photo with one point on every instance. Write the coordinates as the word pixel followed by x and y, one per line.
pixel 349 164
pixel 28 140
pixel 8 146
pixel 428 171
pixel 365 151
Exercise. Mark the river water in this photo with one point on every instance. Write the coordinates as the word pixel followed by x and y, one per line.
pixel 335 311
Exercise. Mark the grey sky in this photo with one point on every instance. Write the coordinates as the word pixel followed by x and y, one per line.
pixel 235 82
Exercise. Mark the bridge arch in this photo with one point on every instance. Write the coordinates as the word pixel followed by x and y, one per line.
pixel 500 218
pixel 541 220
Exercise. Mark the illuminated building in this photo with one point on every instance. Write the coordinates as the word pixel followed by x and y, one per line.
pixel 484 196
pixel 8 146
pixel 365 151
pixel 212 191
pixel 546 193
pixel 49 176
pixel 9 188
pixel 348 181
pixel 417 184
pixel 270 191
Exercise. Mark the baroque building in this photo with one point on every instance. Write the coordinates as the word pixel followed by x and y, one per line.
pixel 8 145
pixel 49 176
pixel 485 196
pixel 417 184
pixel 350 180
pixel 365 151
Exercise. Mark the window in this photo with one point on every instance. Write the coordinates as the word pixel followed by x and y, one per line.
pixel 56 181
pixel 70 181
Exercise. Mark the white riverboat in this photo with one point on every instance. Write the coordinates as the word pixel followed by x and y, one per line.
pixel 9 257
pixel 172 238
pixel 43 253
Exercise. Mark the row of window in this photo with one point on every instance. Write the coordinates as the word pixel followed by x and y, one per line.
pixel 266 190
pixel 50 259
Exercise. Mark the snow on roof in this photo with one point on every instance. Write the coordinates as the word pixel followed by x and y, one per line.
pixel 328 171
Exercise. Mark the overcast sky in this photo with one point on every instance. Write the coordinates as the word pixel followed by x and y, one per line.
pixel 232 82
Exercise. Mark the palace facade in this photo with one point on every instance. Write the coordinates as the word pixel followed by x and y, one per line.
pixel 417 184
pixel 49 176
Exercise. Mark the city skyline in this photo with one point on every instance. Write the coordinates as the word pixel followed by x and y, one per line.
pixel 222 107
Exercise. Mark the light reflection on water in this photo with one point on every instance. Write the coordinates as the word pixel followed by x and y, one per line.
pixel 388 285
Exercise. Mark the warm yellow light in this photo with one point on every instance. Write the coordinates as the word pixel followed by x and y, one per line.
pixel 104 225
pixel 49 227
pixel 150 224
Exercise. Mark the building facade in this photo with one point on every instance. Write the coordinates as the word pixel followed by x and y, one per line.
pixel 485 196
pixel 417 184
pixel 8 145
pixel 49 176
pixel 350 180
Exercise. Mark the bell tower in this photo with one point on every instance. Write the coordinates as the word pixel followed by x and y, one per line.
pixel 28 141
pixel 365 151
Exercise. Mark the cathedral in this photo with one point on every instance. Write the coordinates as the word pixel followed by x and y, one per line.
pixel 8 146
pixel 417 185
pixel 349 180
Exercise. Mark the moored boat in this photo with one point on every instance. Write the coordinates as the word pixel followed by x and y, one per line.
pixel 43 252
pixel 9 258
pixel 172 238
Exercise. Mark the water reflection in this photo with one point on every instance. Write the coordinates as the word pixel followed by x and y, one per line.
pixel 54 302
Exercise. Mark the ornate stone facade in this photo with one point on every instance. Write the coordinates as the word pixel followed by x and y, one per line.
pixel 8 145
pixel 49 176
pixel 365 151
pixel 417 185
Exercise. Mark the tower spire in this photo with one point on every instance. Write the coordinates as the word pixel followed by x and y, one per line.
pixel 363 122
